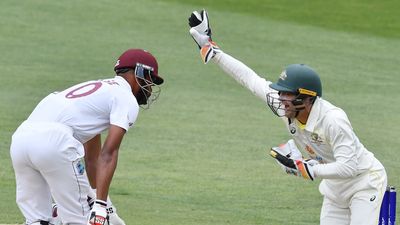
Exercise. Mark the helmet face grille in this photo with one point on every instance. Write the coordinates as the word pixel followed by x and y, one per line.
pixel 275 104
pixel 149 88
pixel 142 70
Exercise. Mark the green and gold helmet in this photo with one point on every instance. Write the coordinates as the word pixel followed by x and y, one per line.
pixel 299 79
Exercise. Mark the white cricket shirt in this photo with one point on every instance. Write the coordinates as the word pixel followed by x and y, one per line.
pixel 90 107
pixel 327 137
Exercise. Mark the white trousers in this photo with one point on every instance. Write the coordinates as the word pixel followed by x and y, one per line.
pixel 355 202
pixel 47 161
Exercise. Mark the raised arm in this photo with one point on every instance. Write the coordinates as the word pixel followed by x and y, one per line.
pixel 201 33
pixel 243 75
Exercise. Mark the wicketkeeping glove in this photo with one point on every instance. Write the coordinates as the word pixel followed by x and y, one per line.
pixel 98 214
pixel 201 33
pixel 199 22
pixel 298 167
pixel 290 150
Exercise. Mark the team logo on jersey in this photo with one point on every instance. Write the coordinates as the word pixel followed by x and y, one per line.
pixel 372 198
pixel 111 82
pixel 310 150
pixel 130 124
pixel 316 139
pixel 292 129
pixel 80 168
pixel 319 159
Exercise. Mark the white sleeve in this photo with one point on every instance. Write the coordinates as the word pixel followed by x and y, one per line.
pixel 244 75
pixel 124 111
pixel 342 140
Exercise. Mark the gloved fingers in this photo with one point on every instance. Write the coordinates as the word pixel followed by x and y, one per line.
pixel 195 19
pixel 305 170
pixel 200 39
pixel 282 159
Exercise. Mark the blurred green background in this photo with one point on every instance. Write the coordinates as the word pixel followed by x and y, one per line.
pixel 198 156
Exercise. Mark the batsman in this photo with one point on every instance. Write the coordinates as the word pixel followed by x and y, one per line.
pixel 64 129
pixel 353 181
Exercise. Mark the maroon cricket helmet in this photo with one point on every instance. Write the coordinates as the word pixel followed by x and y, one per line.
pixel 132 57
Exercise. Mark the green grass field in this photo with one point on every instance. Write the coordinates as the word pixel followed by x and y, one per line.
pixel 198 156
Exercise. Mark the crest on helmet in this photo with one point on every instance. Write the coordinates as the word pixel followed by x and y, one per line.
pixel 283 75
pixel 117 63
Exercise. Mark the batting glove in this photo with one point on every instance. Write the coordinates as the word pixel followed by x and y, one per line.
pixel 201 33
pixel 90 201
pixel 98 214
pixel 298 167
pixel 113 216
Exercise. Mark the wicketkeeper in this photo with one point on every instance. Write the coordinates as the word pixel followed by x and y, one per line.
pixel 353 181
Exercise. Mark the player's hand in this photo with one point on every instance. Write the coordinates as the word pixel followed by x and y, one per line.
pixel 113 216
pixel 290 150
pixel 298 167
pixel 201 33
pixel 98 214
pixel 200 27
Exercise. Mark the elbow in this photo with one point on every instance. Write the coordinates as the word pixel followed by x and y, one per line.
pixel 109 155
pixel 336 170
pixel 348 171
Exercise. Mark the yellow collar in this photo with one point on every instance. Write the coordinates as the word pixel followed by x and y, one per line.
pixel 300 125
